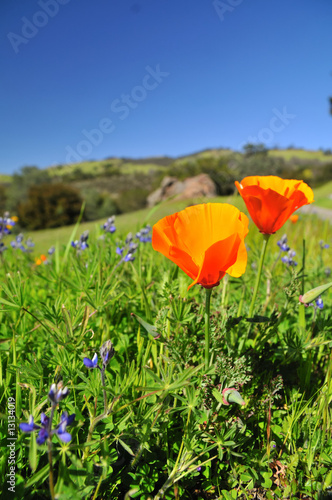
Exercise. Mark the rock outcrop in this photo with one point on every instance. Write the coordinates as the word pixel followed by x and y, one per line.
pixel 194 187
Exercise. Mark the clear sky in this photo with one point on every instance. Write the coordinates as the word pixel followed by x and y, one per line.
pixel 85 79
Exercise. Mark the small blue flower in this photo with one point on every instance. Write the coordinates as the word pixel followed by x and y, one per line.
pixel 288 259
pixel 107 352
pixel 143 235
pixel 31 426
pixel 109 226
pixel 82 243
pixel 319 304
pixel 91 363
pixel 17 243
pixel 60 430
pixel 43 434
pixel 129 257
pixel 57 393
pixel 282 244
pixel 323 245
pixel 29 243
pixel 119 250
pixel 129 238
pixel 51 250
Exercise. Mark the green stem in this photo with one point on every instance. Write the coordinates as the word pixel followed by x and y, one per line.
pixel 224 287
pixel 102 373
pixel 49 449
pixel 258 278
pixel 207 326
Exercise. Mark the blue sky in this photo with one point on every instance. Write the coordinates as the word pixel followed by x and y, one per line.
pixel 89 80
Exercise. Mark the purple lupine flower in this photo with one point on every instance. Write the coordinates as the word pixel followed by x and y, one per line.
pixel 109 226
pixel 57 393
pixel 43 429
pixel 129 257
pixel 81 244
pixel 143 235
pixel 282 244
pixel 6 223
pixel 107 352
pixel 323 245
pixel 129 238
pixel 319 304
pixel 91 363
pixel 43 434
pixel 288 259
pixel 51 250
pixel 17 243
pixel 128 250
pixel 60 429
pixel 29 243
pixel 29 427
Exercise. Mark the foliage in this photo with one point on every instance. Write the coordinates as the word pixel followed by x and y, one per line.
pixel 121 185
pixel 98 205
pixel 157 427
pixel 49 205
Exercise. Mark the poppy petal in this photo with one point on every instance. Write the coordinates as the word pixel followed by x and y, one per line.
pixel 204 240
pixel 271 200
pixel 217 259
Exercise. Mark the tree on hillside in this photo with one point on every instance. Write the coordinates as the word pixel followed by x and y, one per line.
pixel 21 182
pixel 50 205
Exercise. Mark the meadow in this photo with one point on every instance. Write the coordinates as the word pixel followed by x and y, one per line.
pixel 156 414
pixel 132 221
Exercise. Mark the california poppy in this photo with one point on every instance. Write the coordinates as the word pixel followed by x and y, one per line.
pixel 294 218
pixel 206 241
pixel 271 200
pixel 40 260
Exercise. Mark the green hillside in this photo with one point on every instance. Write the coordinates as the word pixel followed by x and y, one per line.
pixel 301 154
pixel 44 239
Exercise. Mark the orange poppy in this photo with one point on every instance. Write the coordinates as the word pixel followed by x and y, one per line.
pixel 294 218
pixel 40 260
pixel 206 241
pixel 271 200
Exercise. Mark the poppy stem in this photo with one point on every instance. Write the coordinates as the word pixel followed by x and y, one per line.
pixel 207 326
pixel 259 273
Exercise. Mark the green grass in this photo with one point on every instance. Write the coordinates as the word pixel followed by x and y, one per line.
pixel 302 154
pixel 323 195
pixel 5 179
pixel 152 422
pixel 45 238
pixel 97 168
